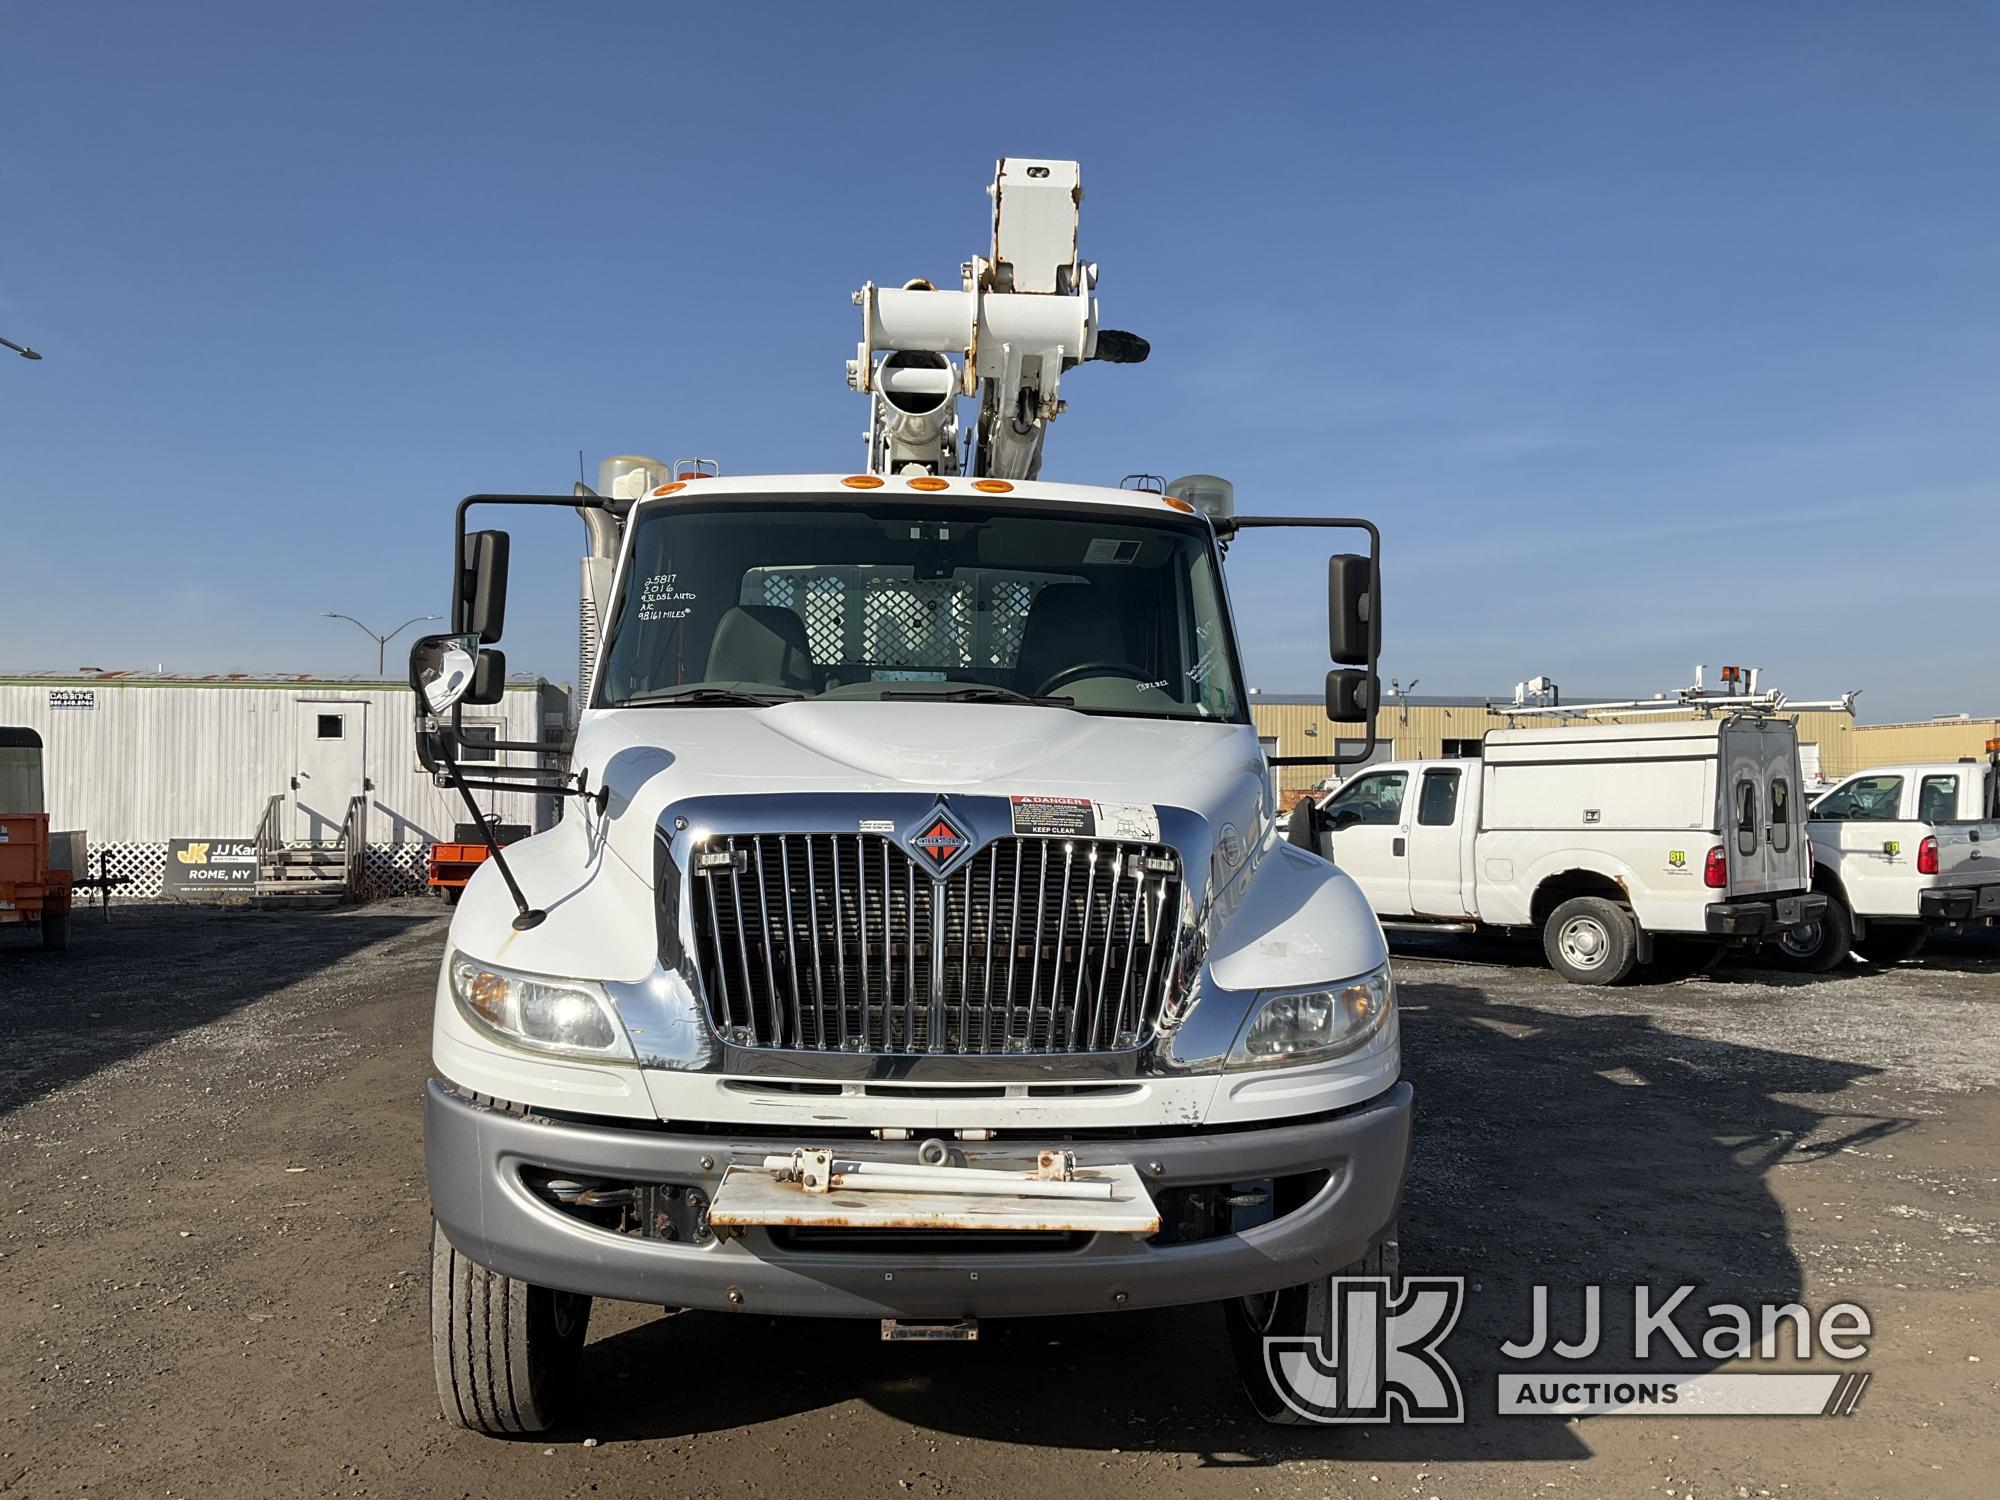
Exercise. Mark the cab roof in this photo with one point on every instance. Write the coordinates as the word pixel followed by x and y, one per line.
pixel 901 487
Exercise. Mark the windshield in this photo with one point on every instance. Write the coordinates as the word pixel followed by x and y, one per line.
pixel 771 601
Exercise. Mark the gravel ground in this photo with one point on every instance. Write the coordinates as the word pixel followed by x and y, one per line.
pixel 212 1260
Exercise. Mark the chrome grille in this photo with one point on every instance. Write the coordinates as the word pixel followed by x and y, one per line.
pixel 843 942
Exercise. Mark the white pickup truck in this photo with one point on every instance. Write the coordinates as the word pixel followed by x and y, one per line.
pixel 1602 837
pixel 1901 851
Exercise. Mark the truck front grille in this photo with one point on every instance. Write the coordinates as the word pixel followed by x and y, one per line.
pixel 842 942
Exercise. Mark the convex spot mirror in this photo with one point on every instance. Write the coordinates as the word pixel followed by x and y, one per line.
pixel 443 669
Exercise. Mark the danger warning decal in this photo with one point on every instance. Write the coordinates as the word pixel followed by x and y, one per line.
pixel 1081 818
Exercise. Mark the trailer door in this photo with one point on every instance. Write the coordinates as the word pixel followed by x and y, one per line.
pixel 1744 764
pixel 329 760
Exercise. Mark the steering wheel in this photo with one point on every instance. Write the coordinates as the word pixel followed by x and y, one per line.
pixel 1082 669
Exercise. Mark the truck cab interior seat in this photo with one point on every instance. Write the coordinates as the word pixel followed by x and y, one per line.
pixel 763 643
pixel 1068 623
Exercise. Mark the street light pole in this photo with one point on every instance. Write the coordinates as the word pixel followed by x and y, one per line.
pixel 21 349
pixel 381 641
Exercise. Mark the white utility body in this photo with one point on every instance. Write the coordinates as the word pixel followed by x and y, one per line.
pixel 1902 851
pixel 1602 837
pixel 917 943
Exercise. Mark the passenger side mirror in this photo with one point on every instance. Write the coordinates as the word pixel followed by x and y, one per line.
pixel 1354 639
pixel 481 602
pixel 1350 695
pixel 1351 613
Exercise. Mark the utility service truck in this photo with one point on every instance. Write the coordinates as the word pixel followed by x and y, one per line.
pixel 1620 844
pixel 1902 851
pixel 917 944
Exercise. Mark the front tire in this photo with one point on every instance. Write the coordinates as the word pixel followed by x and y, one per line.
pixel 505 1352
pixel 1293 1312
pixel 1891 942
pixel 1589 940
pixel 1818 947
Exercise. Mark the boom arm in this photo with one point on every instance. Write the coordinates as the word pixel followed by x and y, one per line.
pixel 1020 321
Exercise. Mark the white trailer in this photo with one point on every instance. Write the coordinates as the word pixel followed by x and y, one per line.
pixel 140 760
pixel 1603 837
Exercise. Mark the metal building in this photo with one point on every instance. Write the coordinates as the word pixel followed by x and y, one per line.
pixel 138 760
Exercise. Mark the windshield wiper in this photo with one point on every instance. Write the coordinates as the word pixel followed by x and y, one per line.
pixel 722 697
pixel 979 695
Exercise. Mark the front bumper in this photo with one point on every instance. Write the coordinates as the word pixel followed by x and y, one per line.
pixel 475 1156
pixel 1959 903
pixel 1764 916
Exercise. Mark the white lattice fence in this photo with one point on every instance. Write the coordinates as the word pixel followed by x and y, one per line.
pixel 395 870
pixel 145 865
pixel 387 870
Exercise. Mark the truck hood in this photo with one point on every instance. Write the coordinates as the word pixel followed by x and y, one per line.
pixel 650 758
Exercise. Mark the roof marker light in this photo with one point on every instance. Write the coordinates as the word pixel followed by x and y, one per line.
pixel 863 482
pixel 929 482
pixel 668 489
pixel 1177 503
pixel 992 486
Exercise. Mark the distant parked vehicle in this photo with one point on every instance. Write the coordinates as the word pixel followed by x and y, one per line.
pixel 1901 852
pixel 1610 840
pixel 36 867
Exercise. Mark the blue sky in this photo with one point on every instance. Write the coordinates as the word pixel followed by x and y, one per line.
pixel 1651 335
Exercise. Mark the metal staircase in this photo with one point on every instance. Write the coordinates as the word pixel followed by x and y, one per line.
pixel 312 874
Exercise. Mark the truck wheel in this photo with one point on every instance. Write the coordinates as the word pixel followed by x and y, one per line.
pixel 55 931
pixel 505 1352
pixel 1818 947
pixel 1891 942
pixel 1292 1312
pixel 1590 940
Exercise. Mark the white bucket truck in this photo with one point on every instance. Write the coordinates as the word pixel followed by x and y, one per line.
pixel 1609 840
pixel 1902 851
pixel 917 945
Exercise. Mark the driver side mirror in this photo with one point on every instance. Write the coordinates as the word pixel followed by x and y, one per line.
pixel 481 602
pixel 443 671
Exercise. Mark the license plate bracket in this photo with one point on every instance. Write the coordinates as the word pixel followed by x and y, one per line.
pixel 751 1197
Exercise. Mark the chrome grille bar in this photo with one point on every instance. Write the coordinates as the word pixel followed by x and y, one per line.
pixel 810 948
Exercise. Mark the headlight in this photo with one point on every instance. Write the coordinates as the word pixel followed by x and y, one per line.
pixel 572 1016
pixel 1299 1026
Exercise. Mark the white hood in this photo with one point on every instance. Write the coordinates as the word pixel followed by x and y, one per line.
pixel 651 758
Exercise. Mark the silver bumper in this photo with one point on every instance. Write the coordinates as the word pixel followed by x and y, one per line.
pixel 475 1156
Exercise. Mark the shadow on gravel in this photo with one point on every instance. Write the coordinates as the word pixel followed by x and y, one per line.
pixel 1554 1148
pixel 153 972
